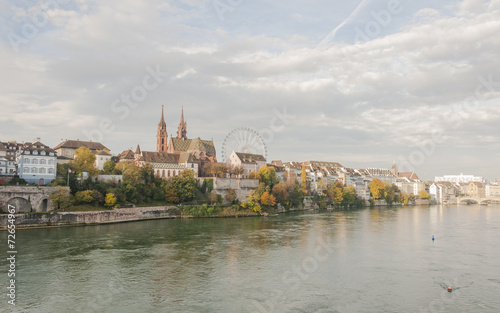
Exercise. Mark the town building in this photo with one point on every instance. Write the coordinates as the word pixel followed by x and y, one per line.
pixel 166 165
pixel 459 178
pixel 476 189
pixel 102 157
pixel 247 161
pixel 8 153
pixel 37 163
pixel 66 151
pixel 444 192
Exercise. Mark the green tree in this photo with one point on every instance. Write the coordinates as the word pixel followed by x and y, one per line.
pixel 376 188
pixel 84 161
pixel 349 196
pixel 86 196
pixel 171 195
pixel 185 185
pixel 109 166
pixel 61 199
pixel 267 175
pixel 230 196
pixel 110 200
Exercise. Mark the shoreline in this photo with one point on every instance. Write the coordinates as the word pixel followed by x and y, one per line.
pixel 121 215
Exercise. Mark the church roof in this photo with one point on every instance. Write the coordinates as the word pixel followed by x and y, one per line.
pixel 186 157
pixel 160 157
pixel 197 144
pixel 75 144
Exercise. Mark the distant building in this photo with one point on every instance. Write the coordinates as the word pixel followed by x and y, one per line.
pixel 67 148
pixel 8 153
pixel 37 163
pixel 476 189
pixel 102 157
pixel 167 165
pixel 459 179
pixel 249 162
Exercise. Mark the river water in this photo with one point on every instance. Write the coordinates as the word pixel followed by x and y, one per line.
pixel 368 260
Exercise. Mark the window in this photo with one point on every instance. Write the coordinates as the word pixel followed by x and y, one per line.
pixel 27 161
pixel 52 153
pixel 51 171
pixel 43 153
pixel 35 152
pixel 35 161
pixel 51 162
pixel 33 170
pixel 26 169
pixel 43 161
pixel 42 171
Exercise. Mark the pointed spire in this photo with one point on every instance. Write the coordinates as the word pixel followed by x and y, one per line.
pixel 138 150
pixel 162 120
pixel 162 135
pixel 182 130
pixel 182 114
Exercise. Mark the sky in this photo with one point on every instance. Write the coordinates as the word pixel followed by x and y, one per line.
pixel 363 83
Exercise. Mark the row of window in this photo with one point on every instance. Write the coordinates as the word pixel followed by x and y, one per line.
pixel 35 152
pixel 35 161
pixel 11 171
pixel 163 173
pixel 35 170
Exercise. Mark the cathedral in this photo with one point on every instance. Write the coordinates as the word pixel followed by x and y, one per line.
pixel 175 154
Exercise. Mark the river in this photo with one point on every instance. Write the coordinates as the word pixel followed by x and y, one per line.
pixel 367 260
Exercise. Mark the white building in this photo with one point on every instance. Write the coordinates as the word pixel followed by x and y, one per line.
pixel 37 163
pixel 101 157
pixel 249 162
pixel 67 148
pixel 8 150
pixel 455 179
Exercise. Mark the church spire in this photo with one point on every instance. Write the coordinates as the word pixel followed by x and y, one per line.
pixel 162 136
pixel 182 130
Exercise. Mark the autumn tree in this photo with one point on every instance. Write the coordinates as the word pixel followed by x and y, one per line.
pixel 424 195
pixel 280 192
pixel 349 196
pixel 230 195
pixel 376 187
pixel 303 175
pixel 267 199
pixel 321 187
pixel 185 185
pixel 110 200
pixel 212 197
pixel 84 161
pixel 171 195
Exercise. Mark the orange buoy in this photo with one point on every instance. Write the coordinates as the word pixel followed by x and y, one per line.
pixel 450 289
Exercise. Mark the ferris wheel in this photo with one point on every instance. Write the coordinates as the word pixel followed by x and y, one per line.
pixel 244 140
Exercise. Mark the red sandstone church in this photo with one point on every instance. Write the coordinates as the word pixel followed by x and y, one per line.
pixel 175 155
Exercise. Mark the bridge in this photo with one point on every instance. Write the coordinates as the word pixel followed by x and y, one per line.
pixel 27 198
pixel 478 200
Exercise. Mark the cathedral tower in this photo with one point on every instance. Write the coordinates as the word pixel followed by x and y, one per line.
pixel 182 130
pixel 162 136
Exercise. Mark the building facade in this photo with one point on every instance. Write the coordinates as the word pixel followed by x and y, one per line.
pixel 247 161
pixel 37 163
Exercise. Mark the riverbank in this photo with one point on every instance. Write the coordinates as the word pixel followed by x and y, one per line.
pixel 65 219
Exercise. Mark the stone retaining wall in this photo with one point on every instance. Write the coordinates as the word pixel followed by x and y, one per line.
pixel 88 218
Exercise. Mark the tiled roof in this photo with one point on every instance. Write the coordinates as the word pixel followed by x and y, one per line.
pixel 186 157
pixel 36 146
pixel 126 155
pixel 197 144
pixel 2 147
pixel 160 157
pixel 323 163
pixel 75 144
pixel 248 158
pixel 411 176
pixel 103 152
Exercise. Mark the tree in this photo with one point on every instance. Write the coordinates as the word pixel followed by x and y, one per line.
pixel 267 175
pixel 110 200
pixel 424 195
pixel 303 175
pixel 403 198
pixel 85 196
pixel 253 175
pixel 61 199
pixel 280 193
pixel 338 193
pixel 109 166
pixel 267 199
pixel 212 197
pixel 321 187
pixel 84 161
pixel 230 195
pixel 185 185
pixel 349 196
pixel 171 195
pixel 376 188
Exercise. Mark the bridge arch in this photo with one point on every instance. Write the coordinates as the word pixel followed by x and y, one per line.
pixel 21 204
